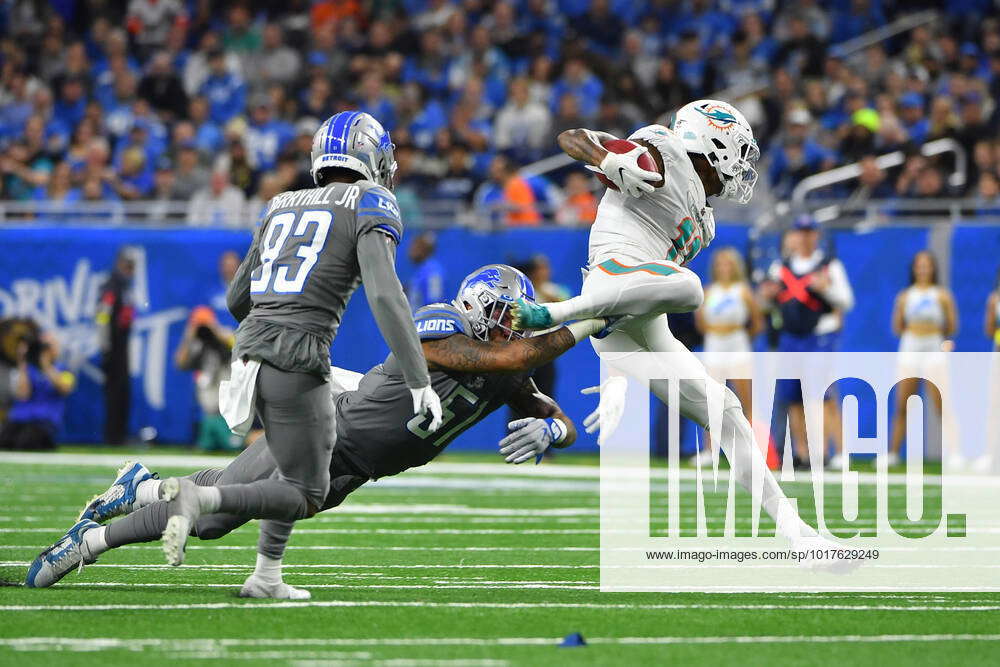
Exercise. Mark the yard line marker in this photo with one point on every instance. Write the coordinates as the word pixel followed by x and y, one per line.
pixel 111 643
pixel 492 605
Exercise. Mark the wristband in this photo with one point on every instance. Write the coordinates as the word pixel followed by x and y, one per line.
pixel 557 430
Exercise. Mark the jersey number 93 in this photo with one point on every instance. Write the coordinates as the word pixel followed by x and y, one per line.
pixel 297 259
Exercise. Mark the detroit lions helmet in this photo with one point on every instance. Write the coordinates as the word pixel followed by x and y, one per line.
pixel 356 141
pixel 719 131
pixel 487 294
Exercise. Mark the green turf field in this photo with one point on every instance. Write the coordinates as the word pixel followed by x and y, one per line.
pixel 454 565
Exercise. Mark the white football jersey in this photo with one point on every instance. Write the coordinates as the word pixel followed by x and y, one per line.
pixel 644 229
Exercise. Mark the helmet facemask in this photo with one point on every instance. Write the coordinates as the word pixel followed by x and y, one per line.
pixel 487 295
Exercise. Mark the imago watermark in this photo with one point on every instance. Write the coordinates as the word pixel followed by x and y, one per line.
pixel 832 472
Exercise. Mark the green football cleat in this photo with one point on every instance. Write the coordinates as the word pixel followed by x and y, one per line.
pixel 528 315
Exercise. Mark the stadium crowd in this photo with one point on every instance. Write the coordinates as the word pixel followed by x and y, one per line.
pixel 213 104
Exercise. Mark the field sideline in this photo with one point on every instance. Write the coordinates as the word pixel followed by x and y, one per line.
pixel 462 563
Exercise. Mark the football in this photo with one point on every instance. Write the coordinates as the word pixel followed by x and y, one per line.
pixel 646 160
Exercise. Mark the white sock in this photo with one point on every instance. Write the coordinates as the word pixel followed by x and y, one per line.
pixel 147 492
pixel 268 569
pixel 561 311
pixel 94 540
pixel 210 498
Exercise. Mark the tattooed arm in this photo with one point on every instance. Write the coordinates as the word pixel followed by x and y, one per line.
pixel 531 402
pixel 469 355
pixel 585 145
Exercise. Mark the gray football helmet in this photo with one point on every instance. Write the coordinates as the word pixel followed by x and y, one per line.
pixel 488 293
pixel 356 141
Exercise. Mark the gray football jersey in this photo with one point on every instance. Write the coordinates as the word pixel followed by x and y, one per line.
pixel 303 268
pixel 376 426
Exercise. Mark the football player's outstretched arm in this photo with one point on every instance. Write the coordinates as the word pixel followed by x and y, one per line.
pixel 469 355
pixel 377 258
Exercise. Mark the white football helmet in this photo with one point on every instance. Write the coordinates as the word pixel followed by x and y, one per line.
pixel 719 131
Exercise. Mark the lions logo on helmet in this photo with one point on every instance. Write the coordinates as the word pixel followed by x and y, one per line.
pixel 356 141
pixel 487 294
pixel 719 131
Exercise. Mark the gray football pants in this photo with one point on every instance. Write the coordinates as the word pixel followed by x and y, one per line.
pixel 254 463
pixel 280 479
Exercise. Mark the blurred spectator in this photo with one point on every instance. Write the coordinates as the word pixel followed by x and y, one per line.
pixel 426 285
pixel 39 390
pixel 115 314
pixel 206 349
pixel 522 127
pixel 219 204
pixel 458 183
pixel 873 183
pixel 162 88
pixel 580 82
pixel 189 175
pixel 912 115
pixel 266 137
pixel 225 91
pixel 150 21
pixel 580 204
pixel 276 62
pixel 800 156
pixel 506 196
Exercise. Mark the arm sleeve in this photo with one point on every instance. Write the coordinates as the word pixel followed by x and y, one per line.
pixel 238 291
pixel 376 256
pixel 840 295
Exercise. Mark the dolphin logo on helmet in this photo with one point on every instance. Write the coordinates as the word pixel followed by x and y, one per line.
pixel 487 294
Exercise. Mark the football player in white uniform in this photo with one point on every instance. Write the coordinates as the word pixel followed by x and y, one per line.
pixel 645 232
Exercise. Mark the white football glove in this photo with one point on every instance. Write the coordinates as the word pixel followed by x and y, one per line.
pixel 529 438
pixel 425 400
pixel 624 171
pixel 610 409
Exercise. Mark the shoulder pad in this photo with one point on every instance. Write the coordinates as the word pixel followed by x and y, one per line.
pixel 440 320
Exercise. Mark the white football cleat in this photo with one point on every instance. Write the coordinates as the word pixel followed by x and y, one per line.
pixel 837 462
pixel 892 459
pixel 184 510
pixel 69 553
pixel 256 587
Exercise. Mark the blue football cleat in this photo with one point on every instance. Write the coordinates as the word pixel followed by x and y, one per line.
pixel 56 562
pixel 528 315
pixel 119 499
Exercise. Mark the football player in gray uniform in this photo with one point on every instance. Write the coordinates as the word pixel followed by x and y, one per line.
pixel 477 364
pixel 311 251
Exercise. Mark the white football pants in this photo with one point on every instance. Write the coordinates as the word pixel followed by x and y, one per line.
pixel 648 291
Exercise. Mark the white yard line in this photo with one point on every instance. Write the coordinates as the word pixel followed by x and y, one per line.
pixel 493 605
pixel 209 644
pixel 547 470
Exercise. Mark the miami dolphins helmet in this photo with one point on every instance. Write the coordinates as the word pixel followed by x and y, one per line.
pixel 487 294
pixel 356 141
pixel 719 131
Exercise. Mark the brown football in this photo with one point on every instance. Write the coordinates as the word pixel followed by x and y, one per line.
pixel 645 161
